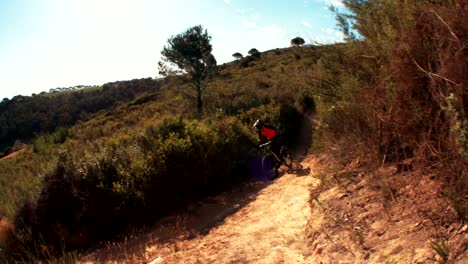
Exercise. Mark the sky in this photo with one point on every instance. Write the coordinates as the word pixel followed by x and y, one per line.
pixel 48 44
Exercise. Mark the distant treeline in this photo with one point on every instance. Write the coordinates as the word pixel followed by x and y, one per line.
pixel 73 88
pixel 24 117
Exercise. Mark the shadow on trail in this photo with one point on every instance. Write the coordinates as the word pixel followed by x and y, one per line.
pixel 304 139
pixel 301 147
pixel 197 219
pixel 211 212
pixel 299 170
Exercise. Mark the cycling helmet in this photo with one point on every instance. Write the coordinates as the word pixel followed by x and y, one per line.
pixel 258 124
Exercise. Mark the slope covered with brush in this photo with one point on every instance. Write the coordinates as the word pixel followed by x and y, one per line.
pixel 139 160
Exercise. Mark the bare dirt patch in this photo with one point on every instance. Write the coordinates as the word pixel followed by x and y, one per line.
pixel 14 154
pixel 6 230
pixel 383 217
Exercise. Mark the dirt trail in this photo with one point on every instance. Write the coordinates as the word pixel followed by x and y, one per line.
pixel 353 219
pixel 261 223
pixel 268 230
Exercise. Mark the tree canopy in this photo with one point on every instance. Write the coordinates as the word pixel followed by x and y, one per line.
pixel 254 53
pixel 297 41
pixel 188 56
pixel 238 55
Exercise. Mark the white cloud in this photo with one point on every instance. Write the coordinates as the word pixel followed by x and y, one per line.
pixel 306 24
pixel 248 17
pixel 228 2
pixel 324 36
pixel 248 21
pixel 329 35
pixel 336 3
pixel 327 15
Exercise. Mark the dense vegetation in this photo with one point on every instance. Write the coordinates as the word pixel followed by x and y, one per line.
pixel 395 91
pixel 24 117
pixel 399 87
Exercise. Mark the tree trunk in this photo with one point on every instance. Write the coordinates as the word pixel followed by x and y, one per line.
pixel 199 105
pixel 199 99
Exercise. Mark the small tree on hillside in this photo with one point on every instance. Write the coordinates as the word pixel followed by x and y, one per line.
pixel 188 56
pixel 254 53
pixel 297 41
pixel 238 56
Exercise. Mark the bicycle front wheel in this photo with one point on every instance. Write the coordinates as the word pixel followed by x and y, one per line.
pixel 268 167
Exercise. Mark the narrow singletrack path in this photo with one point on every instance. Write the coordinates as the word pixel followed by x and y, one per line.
pixel 269 229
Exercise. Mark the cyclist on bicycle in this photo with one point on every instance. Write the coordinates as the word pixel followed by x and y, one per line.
pixel 267 133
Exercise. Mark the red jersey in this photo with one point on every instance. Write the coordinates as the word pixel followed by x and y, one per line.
pixel 269 133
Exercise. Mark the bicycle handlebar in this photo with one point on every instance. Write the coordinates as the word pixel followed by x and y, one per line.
pixel 265 144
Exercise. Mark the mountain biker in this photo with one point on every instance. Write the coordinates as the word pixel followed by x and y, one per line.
pixel 267 133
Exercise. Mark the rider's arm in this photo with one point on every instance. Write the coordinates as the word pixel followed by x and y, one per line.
pixel 261 137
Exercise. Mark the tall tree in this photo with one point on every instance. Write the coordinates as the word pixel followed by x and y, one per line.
pixel 188 56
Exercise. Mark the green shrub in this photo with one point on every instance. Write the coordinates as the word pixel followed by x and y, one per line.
pixel 134 179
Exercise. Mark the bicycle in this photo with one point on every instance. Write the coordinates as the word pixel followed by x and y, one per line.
pixel 271 162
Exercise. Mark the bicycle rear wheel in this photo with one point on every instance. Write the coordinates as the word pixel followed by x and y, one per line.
pixel 287 159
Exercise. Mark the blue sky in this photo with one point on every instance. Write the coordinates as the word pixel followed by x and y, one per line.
pixel 61 43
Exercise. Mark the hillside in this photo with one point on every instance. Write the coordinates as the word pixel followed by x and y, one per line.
pixel 24 117
pixel 236 89
pixel 387 110
pixel 121 146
